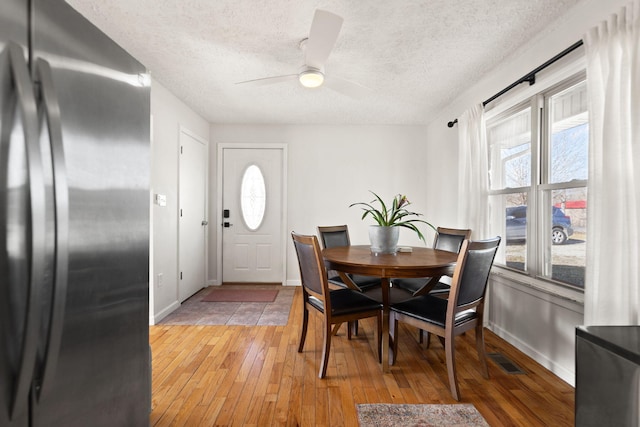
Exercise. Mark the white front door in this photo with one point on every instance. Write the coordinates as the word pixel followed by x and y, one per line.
pixel 252 199
pixel 192 214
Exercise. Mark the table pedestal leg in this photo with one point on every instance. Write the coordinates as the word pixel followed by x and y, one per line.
pixel 385 324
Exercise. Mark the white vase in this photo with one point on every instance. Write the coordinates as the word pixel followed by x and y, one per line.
pixel 384 240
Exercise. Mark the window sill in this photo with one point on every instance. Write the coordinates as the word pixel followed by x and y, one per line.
pixel 558 291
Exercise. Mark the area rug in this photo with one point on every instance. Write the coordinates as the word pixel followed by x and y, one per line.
pixel 389 415
pixel 194 311
pixel 240 295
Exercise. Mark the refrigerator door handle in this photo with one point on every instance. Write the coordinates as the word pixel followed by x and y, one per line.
pixel 36 236
pixel 50 109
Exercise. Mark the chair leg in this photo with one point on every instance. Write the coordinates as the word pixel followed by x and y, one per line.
pixel 449 349
pixel 424 337
pixel 325 348
pixel 352 329
pixel 303 331
pixel 336 328
pixel 481 349
pixel 395 336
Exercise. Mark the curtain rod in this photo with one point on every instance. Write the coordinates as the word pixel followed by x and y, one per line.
pixel 529 77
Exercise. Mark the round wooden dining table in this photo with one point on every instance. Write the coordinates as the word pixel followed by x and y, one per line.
pixel 420 262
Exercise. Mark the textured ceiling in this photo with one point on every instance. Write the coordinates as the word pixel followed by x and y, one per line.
pixel 415 56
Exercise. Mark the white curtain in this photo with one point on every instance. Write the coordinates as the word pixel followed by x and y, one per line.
pixel 612 295
pixel 473 179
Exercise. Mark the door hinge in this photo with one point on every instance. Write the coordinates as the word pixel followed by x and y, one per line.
pixel 180 212
pixel 181 149
pixel 181 275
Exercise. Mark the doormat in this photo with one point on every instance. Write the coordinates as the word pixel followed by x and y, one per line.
pixel 389 415
pixel 240 295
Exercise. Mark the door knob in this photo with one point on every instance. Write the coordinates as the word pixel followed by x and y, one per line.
pixel 227 224
pixel 205 222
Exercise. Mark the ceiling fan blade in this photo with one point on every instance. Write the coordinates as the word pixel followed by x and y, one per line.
pixel 269 80
pixel 322 37
pixel 346 87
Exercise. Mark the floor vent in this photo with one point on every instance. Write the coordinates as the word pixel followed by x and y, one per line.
pixel 507 365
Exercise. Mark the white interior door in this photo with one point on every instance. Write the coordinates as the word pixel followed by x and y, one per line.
pixel 252 198
pixel 193 215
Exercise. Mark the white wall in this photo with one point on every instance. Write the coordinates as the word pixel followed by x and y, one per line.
pixel 539 323
pixel 168 114
pixel 330 167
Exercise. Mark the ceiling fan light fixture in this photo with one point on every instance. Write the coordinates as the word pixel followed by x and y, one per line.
pixel 311 78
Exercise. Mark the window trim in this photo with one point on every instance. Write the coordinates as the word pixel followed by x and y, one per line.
pixel 548 287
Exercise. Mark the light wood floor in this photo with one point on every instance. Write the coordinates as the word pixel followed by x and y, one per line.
pixel 254 376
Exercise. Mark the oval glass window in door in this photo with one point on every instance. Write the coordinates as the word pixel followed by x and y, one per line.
pixel 253 197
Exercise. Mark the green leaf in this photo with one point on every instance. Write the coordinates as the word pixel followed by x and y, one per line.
pixel 394 217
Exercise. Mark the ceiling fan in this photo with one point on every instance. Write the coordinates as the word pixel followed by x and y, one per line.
pixel 317 47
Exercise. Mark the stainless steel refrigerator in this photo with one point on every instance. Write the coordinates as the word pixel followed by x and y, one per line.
pixel 74 222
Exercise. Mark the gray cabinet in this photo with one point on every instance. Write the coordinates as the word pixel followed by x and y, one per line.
pixel 607 376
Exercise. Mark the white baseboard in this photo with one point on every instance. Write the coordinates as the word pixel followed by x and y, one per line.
pixel 165 312
pixel 560 371
pixel 293 283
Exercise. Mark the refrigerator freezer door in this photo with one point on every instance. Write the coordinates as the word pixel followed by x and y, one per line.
pixel 102 373
pixel 21 218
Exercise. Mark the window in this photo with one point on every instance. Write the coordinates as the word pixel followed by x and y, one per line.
pixel 538 163
pixel 253 197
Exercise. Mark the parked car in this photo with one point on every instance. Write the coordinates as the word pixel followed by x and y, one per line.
pixel 517 225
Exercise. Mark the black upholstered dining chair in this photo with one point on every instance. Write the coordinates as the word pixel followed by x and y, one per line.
pixel 447 239
pixel 463 310
pixel 336 306
pixel 338 235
